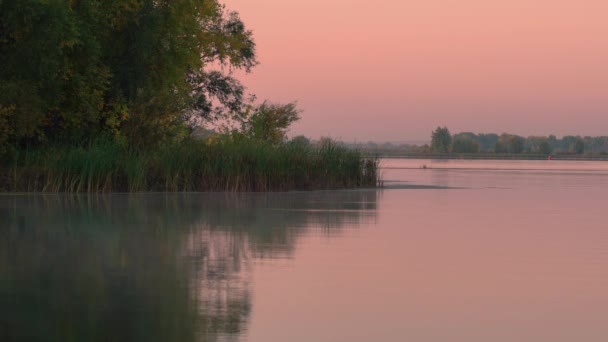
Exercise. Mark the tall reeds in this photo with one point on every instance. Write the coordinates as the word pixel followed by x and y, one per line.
pixel 190 165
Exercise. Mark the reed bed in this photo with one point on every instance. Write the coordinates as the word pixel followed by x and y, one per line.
pixel 190 165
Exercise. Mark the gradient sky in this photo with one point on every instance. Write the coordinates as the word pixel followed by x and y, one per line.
pixel 393 70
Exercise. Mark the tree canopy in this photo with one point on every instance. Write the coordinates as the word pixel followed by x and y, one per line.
pixel 441 140
pixel 133 70
pixel 269 122
pixel 468 142
pixel 465 143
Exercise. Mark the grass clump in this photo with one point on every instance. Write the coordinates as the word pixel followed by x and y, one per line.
pixel 189 165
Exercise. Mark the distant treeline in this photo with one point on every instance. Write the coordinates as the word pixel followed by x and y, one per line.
pixel 467 142
pixel 442 141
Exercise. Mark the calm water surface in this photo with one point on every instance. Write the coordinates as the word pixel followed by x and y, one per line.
pixel 459 251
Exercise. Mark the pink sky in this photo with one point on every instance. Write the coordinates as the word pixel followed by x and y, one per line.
pixel 393 70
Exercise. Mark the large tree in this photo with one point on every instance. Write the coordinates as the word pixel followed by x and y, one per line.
pixel 72 71
pixel 441 140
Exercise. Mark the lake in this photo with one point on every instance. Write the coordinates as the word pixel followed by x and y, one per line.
pixel 449 250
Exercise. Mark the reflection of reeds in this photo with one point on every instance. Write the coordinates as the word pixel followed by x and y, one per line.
pixel 154 267
pixel 190 166
pixel 272 221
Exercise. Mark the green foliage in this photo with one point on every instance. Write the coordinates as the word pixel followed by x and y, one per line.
pixel 485 145
pixel 50 68
pixel 487 142
pixel 538 145
pixel 269 122
pixel 544 147
pixel 6 118
pixel 441 140
pixel 509 143
pixel 579 146
pixel 300 140
pixel 229 163
pixel 464 143
pixel 133 70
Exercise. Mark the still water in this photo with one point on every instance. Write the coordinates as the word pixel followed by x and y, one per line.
pixel 456 251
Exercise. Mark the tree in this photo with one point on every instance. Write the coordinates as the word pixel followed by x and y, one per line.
pixel 127 69
pixel 464 143
pixel 441 140
pixel 537 144
pixel 568 144
pixel 579 146
pixel 509 143
pixel 544 147
pixel 516 144
pixel 51 69
pixel 269 122
pixel 300 140
pixel 487 142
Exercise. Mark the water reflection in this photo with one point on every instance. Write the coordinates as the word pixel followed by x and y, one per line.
pixel 166 267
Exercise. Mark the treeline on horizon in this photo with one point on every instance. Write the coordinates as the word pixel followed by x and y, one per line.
pixel 105 95
pixel 442 141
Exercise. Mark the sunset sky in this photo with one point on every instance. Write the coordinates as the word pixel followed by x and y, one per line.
pixel 393 70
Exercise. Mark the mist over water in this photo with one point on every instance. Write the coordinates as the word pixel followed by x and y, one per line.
pixel 164 267
pixel 497 251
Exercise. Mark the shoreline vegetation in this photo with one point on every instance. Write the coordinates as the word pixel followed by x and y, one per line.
pixel 484 156
pixel 111 96
pixel 191 165
pixel 468 145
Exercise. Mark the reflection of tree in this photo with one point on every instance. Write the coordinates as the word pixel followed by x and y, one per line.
pixel 86 277
pixel 167 267
pixel 220 281
pixel 272 222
